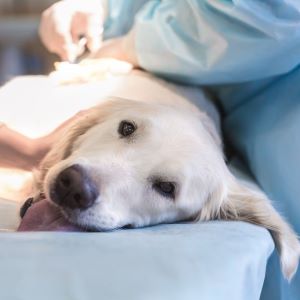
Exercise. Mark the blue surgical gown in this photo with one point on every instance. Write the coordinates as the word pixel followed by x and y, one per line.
pixel 248 53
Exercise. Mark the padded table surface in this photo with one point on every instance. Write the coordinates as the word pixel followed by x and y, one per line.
pixel 211 261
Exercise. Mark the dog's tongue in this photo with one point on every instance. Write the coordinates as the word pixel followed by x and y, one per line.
pixel 42 216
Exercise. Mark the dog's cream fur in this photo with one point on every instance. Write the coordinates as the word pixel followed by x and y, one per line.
pixel 174 141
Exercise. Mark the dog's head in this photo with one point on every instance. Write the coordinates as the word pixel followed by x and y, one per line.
pixel 134 164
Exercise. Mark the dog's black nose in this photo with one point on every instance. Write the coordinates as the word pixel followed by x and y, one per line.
pixel 73 188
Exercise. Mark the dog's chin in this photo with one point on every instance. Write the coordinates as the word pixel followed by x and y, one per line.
pixel 75 216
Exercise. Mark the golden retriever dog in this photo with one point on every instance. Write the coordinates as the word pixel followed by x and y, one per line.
pixel 149 156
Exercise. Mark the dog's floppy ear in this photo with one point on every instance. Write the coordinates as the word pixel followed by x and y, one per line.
pixel 248 204
pixel 63 146
pixel 61 149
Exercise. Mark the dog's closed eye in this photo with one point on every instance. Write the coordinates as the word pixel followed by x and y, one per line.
pixel 165 188
pixel 126 128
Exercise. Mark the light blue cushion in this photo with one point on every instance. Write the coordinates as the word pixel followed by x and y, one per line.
pixel 211 261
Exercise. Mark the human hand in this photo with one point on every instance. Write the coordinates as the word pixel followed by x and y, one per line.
pixel 65 22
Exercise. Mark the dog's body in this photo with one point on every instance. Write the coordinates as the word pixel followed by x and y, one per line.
pixel 146 156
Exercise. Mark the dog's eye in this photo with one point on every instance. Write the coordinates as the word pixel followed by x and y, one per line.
pixel 166 189
pixel 126 128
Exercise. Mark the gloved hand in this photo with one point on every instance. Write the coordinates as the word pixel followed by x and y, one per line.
pixel 63 23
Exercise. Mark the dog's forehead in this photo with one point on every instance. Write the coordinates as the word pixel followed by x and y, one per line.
pixel 164 135
pixel 166 128
pixel 164 117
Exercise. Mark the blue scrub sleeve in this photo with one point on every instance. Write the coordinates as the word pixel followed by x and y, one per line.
pixel 120 16
pixel 215 41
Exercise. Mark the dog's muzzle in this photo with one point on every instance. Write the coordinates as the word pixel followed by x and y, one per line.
pixel 74 189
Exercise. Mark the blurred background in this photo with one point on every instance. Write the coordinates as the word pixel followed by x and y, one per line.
pixel 21 52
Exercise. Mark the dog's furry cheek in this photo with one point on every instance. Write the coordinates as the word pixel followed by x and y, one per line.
pixel 213 204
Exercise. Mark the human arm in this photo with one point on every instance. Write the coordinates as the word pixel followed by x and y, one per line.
pixel 19 151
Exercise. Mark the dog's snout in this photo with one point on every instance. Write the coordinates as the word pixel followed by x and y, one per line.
pixel 74 188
